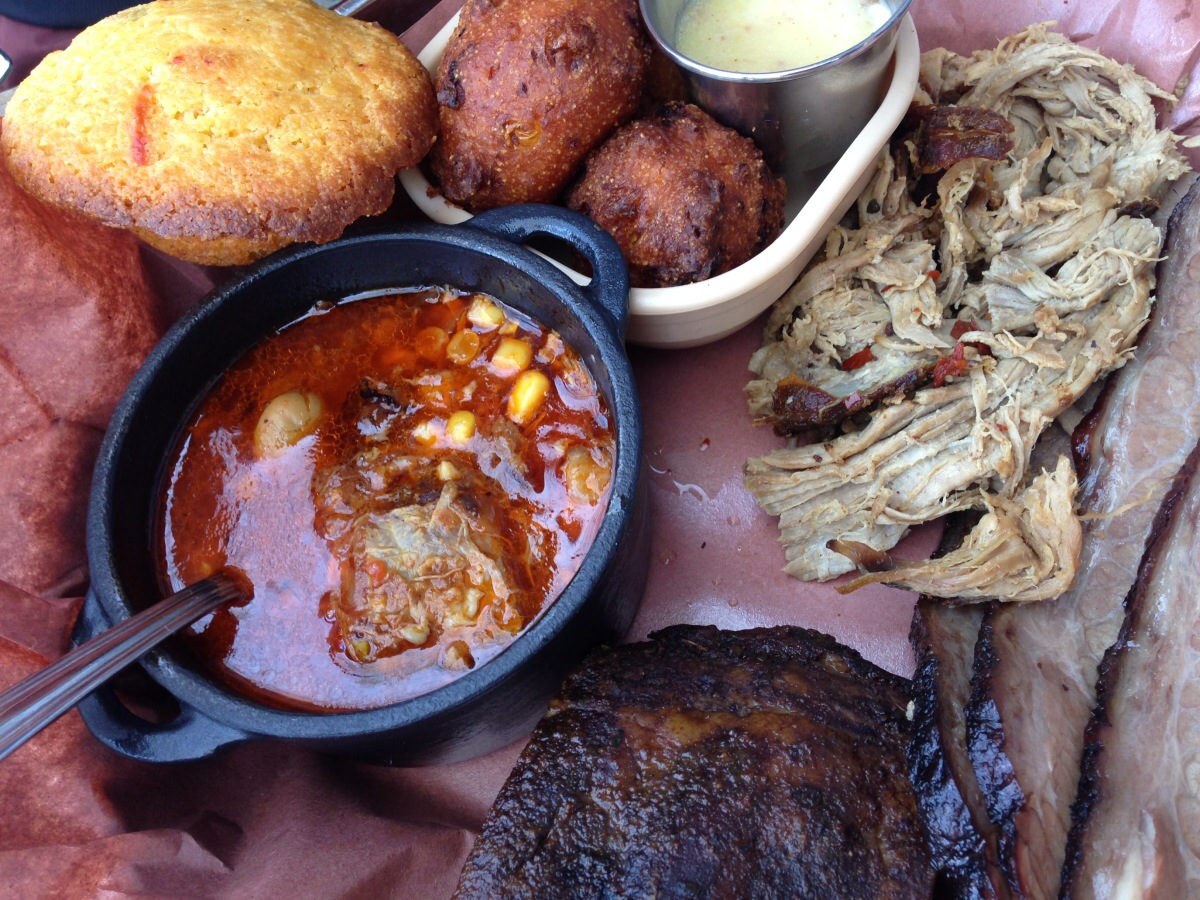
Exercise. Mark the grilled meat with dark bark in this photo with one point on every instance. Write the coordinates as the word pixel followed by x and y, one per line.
pixel 1044 656
pixel 761 763
pixel 941 772
pixel 961 838
pixel 949 134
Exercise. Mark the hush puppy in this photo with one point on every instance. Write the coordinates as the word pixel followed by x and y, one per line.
pixel 526 88
pixel 685 197
pixel 222 130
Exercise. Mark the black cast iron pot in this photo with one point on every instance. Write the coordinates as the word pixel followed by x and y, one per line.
pixel 489 706
pixel 62 13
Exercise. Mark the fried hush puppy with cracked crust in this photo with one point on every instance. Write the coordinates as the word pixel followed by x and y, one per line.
pixel 685 197
pixel 526 88
pixel 220 130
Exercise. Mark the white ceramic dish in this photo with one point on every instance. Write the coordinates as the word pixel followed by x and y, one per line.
pixel 694 314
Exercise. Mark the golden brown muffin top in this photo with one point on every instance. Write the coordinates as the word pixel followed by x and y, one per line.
pixel 271 121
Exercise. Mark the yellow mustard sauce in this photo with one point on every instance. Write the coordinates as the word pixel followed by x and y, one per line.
pixel 773 35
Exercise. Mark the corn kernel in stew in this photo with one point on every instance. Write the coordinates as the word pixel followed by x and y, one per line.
pixel 512 356
pixel 460 427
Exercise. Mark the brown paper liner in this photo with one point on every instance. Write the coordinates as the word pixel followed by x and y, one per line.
pixel 79 308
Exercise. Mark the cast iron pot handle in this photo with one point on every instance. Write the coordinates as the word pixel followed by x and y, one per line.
pixel 609 287
pixel 189 736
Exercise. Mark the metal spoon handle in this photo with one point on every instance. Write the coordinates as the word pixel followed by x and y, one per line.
pixel 32 704
pixel 350 7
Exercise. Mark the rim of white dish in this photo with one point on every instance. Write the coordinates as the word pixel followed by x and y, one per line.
pixel 806 226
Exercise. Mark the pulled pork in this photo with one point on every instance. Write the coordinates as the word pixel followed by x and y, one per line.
pixel 998 265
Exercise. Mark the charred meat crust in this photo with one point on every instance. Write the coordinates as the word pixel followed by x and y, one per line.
pixel 956 845
pixel 985 747
pixel 767 762
pixel 946 135
pixel 799 405
pixel 1089 793
pixel 940 771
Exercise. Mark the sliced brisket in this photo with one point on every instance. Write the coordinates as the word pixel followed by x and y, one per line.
pixel 1036 664
pixel 961 836
pixel 1136 830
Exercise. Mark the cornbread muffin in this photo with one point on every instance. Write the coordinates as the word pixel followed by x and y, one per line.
pixel 684 196
pixel 222 130
pixel 526 88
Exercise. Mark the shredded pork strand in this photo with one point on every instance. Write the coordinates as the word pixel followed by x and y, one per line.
pixel 1025 548
pixel 952 322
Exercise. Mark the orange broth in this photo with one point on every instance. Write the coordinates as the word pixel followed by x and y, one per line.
pixel 409 502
